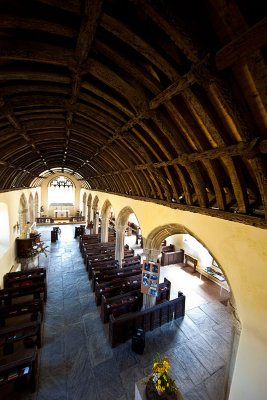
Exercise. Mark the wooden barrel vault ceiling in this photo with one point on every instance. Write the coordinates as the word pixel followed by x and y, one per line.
pixel 161 100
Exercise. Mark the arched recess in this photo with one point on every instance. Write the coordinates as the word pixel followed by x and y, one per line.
pixel 120 226
pixel 36 205
pixel 31 209
pixel 105 213
pixel 95 208
pixel 152 246
pixel 22 212
pixel 89 209
pixel 84 205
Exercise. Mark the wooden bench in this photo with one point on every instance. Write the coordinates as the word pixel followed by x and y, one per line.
pixel 173 257
pixel 105 265
pixel 79 230
pixel 114 274
pixel 130 301
pixel 113 288
pixel 26 330
pixel 90 260
pixel 121 328
pixel 14 279
pixel 87 248
pixel 35 289
pixel 19 365
pixel 121 304
pixel 88 252
pixel 166 249
pixel 14 310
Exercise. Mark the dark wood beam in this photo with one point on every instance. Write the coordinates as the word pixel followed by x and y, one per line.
pixel 243 46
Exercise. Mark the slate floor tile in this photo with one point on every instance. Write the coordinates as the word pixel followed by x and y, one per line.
pixel 78 363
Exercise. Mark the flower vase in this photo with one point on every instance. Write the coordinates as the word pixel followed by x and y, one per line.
pixel 160 393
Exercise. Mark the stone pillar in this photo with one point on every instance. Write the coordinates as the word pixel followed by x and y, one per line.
pixel 119 250
pixel 148 300
pixel 96 223
pixel 88 216
pixel 104 229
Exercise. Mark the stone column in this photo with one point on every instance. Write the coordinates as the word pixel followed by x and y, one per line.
pixel 104 229
pixel 96 223
pixel 148 300
pixel 88 216
pixel 119 250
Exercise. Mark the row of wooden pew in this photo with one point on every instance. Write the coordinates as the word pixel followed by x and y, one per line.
pixel 21 327
pixel 117 290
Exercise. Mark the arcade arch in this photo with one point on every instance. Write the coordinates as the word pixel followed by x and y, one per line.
pixel 120 226
pixel 152 245
pixel 95 208
pixel 105 215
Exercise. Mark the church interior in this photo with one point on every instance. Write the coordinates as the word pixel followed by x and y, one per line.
pixel 132 131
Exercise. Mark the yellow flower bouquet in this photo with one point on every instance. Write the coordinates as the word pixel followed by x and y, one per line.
pixel 160 378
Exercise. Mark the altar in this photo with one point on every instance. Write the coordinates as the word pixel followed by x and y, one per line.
pixel 61 213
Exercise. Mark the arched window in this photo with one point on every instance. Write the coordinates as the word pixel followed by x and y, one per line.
pixel 61 191
pixel 4 231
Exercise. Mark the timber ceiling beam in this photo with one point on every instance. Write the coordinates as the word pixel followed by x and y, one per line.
pixel 89 21
pixel 243 149
pixel 20 130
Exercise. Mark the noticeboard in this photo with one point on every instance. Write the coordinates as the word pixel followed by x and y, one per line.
pixel 150 278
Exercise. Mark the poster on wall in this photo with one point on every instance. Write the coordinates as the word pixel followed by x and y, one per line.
pixel 150 278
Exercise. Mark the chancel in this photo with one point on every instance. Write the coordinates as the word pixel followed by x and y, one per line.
pixel 132 131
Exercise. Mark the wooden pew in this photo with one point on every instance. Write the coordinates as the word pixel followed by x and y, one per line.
pixel 110 288
pixel 121 304
pixel 87 248
pixel 32 307
pixel 166 249
pixel 101 250
pixel 22 278
pixel 121 328
pixel 106 266
pixel 114 274
pixel 126 262
pixel 11 335
pixel 164 291
pixel 109 304
pixel 18 365
pixel 90 260
pixel 35 289
pixel 113 264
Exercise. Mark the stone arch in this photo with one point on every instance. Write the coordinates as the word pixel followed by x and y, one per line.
pixel 105 212
pixel 84 204
pixel 36 205
pixel 89 209
pixel 120 226
pixel 22 212
pixel 152 246
pixel 31 209
pixel 95 208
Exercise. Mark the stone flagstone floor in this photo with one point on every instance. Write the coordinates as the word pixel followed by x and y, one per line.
pixel 77 362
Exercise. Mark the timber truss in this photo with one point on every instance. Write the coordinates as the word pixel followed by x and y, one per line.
pixel 158 100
